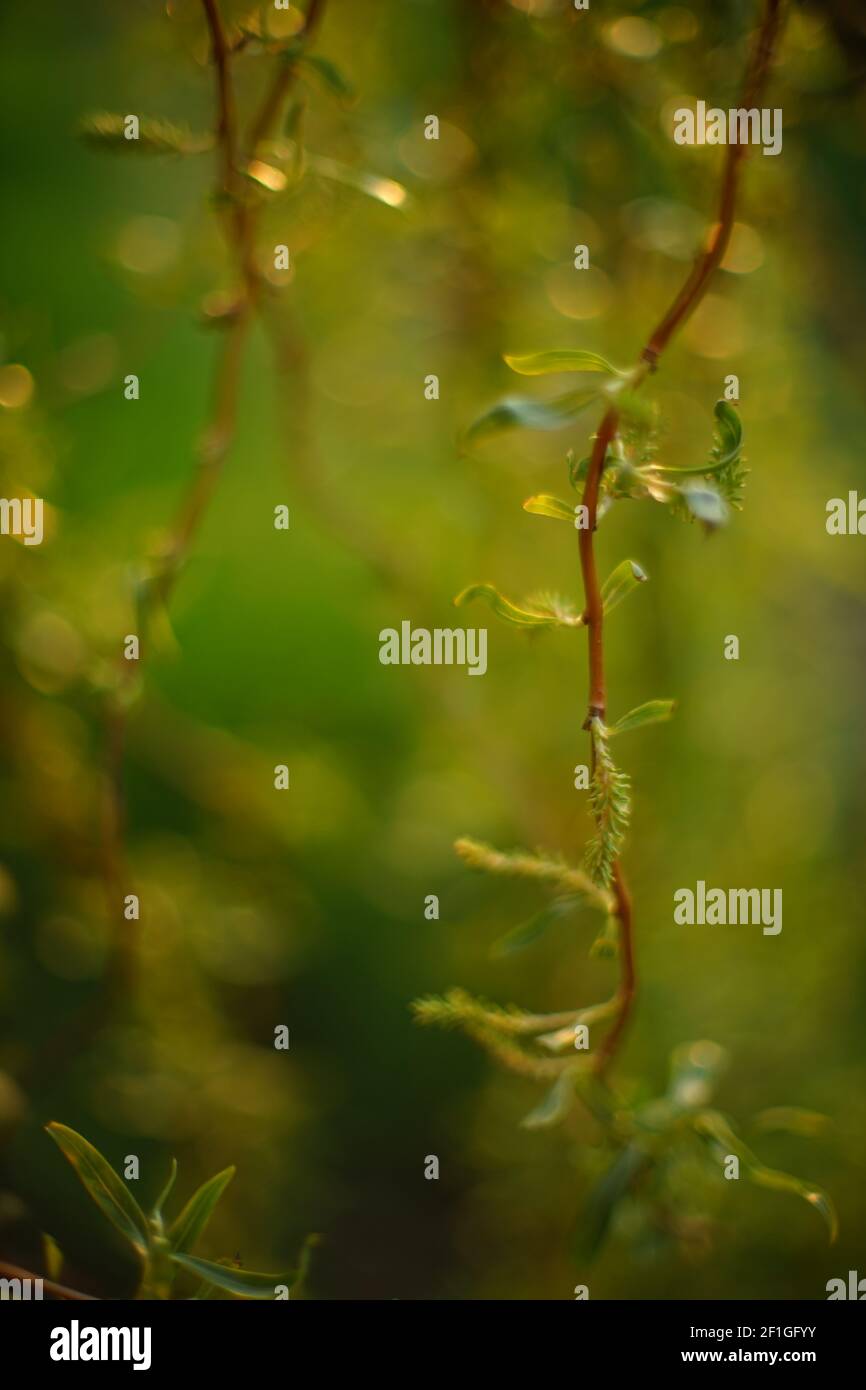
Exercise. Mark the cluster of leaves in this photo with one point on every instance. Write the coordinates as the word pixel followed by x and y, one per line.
pixel 645 1146
pixel 662 1161
pixel 164 1250
pixel 705 492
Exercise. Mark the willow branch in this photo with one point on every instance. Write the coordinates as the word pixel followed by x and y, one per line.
pixel 686 301
pixel 240 223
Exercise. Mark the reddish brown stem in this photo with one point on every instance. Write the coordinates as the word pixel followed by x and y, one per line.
pixel 594 611
pixel 683 305
pixel 695 286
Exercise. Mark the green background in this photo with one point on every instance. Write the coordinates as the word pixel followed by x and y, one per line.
pixel 307 907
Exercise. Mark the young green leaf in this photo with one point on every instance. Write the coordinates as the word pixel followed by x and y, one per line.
pixel 518 411
pixel 730 431
pixel 653 712
pixel 561 360
pixel 156 1210
pixel 620 583
pixel 505 609
pixel 336 81
pixel 714 1129
pixel 545 505
pixel 52 1256
pixel 628 1166
pixel 555 1105
pixel 243 1282
pixel 524 935
pixel 386 191
pixel 103 1185
pixel 191 1222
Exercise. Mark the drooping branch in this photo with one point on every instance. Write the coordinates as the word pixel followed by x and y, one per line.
pixel 683 306
pixel 241 216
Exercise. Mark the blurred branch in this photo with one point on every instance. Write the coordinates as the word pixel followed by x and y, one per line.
pixel 48 1285
pixel 241 218
pixel 695 286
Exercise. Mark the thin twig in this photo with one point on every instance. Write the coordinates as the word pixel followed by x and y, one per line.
pixel 241 222
pixel 682 307
pixel 10 1271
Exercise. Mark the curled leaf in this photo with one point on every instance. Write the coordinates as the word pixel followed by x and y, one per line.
pixel 554 1107
pixel 620 583
pixel 156 1210
pixel 508 611
pixel 714 1129
pixel 730 431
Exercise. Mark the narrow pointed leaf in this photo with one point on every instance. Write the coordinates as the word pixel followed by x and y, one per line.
pixel 53 1257
pixel 560 360
pixel 620 583
pixel 195 1216
pixel 304 1261
pixel 244 1282
pixel 504 608
pixel 530 414
pixel 524 935
pixel 713 1126
pixel 554 1107
pixel 164 1195
pixel 653 712
pixel 102 1184
pixel 545 505
pixel 605 1197
pixel 383 190
pixel 329 73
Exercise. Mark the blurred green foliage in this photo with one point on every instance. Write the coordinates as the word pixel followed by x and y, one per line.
pixel 306 908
